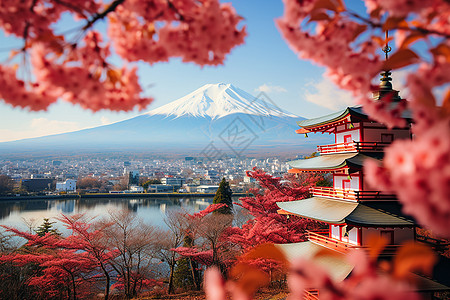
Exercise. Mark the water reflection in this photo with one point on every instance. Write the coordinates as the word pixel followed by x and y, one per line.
pixel 151 210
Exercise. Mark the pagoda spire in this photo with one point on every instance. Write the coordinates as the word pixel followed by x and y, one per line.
pixel 385 86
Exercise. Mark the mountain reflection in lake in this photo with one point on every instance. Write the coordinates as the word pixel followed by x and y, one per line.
pixel 150 210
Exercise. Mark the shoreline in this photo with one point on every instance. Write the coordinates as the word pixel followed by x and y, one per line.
pixel 114 195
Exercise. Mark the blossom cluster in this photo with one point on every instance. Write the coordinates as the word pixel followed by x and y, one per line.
pixel 203 34
pixel 94 85
pixel 79 70
pixel 332 45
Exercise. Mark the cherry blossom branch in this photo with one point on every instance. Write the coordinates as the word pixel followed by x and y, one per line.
pixel 102 15
pixel 422 30
pixel 27 27
pixel 172 7
pixel 71 6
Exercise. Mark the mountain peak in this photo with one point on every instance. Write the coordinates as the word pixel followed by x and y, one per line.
pixel 219 100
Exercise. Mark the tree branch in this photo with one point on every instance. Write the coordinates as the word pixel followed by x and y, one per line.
pixel 112 7
pixel 26 30
pixel 70 6
pixel 380 25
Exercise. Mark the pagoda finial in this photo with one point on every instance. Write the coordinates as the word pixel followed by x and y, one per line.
pixel 386 49
pixel 386 85
pixel 386 79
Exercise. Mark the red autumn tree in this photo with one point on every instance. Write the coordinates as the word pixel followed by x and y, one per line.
pixel 91 257
pixel 59 271
pixel 266 225
pixel 82 257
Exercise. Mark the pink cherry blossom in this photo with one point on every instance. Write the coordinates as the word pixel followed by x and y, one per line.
pixel 77 68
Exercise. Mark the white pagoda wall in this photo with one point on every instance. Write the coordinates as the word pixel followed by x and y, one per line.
pixel 353 132
pixel 338 184
pixel 337 232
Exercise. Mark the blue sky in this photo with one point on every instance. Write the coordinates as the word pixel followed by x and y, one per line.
pixel 263 63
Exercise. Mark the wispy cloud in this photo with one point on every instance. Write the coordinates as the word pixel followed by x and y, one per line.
pixel 270 88
pixel 39 127
pixel 326 94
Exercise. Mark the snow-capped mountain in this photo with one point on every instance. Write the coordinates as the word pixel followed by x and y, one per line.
pixel 214 120
pixel 217 101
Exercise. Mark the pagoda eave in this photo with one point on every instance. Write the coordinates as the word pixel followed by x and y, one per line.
pixel 339 212
pixel 347 163
pixel 335 170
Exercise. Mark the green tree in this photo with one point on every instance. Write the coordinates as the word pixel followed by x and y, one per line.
pixel 223 196
pixel 186 275
pixel 47 227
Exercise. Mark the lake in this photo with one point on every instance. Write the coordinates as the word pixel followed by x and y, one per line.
pixel 150 210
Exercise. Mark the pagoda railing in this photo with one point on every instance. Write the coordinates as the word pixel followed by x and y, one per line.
pixel 352 147
pixel 438 244
pixel 311 295
pixel 324 240
pixel 354 195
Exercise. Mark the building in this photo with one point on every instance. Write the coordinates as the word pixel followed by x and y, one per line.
pixel 38 184
pixel 69 185
pixel 136 189
pixel 132 177
pixel 248 179
pixel 207 189
pixel 173 181
pixel 161 188
pixel 352 210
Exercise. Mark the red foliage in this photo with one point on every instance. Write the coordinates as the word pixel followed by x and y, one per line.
pixel 267 226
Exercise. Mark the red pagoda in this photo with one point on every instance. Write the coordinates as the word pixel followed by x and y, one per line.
pixel 352 210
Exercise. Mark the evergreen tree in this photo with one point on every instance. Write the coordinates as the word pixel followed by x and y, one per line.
pixel 223 196
pixel 186 274
pixel 46 227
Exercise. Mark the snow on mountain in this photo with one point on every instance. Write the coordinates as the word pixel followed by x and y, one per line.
pixel 217 101
pixel 214 118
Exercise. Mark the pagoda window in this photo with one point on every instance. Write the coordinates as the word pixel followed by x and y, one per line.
pixel 335 232
pixel 348 138
pixel 346 184
pixel 353 236
pixel 389 235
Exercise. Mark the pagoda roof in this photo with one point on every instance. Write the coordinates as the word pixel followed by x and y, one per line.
pixel 350 114
pixel 342 212
pixel 334 117
pixel 333 162
pixel 336 263
pixel 426 284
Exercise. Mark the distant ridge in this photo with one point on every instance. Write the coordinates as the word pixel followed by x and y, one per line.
pixel 213 120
